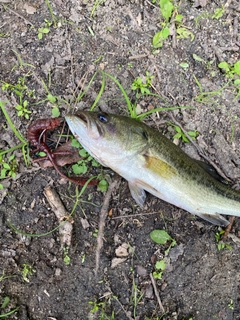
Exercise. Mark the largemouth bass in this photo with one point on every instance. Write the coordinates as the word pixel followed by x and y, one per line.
pixel 151 162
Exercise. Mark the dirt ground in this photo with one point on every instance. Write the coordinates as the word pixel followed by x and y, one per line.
pixel 40 277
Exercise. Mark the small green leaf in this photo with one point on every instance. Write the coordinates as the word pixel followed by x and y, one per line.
pixel 51 98
pixel 166 8
pixel 179 18
pixel 95 163
pixel 236 67
pixel 1 187
pixel 157 275
pixel 5 302
pixel 197 58
pixel 55 112
pixel 42 154
pixel 160 265
pixel 177 136
pixel 184 65
pixel 45 30
pixel 83 153
pixel 18 107
pixel 6 166
pixel 103 185
pixel 159 37
pixel 79 168
pixel 224 65
pixel 160 236
pixel 237 82
pixel 75 143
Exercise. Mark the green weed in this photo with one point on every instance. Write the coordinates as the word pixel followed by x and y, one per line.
pixel 181 135
pixel 142 85
pixel 208 64
pixel 4 305
pixel 231 305
pixel 21 91
pixel 220 244
pixel 27 271
pixel 206 97
pixel 96 4
pixel 99 310
pixel 218 13
pixel 160 266
pixel 66 257
pixel 44 30
pixel 231 71
pixel 136 296
pixel 8 161
pixel 162 237
pixel 170 15
pixel 8 166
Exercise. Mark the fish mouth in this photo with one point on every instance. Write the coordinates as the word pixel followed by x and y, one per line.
pixel 88 122
pixel 83 118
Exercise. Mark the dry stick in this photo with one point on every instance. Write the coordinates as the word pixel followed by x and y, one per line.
pixel 156 293
pixel 65 231
pixel 199 150
pixel 103 216
pixel 229 227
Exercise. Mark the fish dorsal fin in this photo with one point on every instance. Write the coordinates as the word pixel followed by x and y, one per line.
pixel 159 166
pixel 211 170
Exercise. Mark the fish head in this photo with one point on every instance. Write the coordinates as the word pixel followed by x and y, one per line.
pixel 108 137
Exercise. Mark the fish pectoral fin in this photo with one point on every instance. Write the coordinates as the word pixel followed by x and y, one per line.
pixel 138 194
pixel 216 219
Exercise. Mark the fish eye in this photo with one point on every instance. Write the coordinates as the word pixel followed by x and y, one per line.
pixel 102 117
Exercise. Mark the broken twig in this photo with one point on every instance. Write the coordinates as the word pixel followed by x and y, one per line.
pixel 65 231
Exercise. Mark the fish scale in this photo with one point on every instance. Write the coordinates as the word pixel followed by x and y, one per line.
pixel 151 162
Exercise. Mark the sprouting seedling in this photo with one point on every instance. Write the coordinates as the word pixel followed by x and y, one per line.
pixel 21 91
pixel 3 305
pixel 232 71
pixel 142 85
pixel 168 11
pixel 44 30
pixel 8 166
pixel 160 266
pixel 220 244
pixel 218 13
pixel 181 135
pixel 66 257
pixel 27 271
pixel 162 237
pixel 22 110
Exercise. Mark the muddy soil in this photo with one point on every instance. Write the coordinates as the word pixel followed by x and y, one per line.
pixel 41 277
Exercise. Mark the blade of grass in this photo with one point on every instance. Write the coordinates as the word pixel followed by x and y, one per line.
pixel 143 115
pixel 100 92
pixel 129 104
pixel 16 132
pixel 80 96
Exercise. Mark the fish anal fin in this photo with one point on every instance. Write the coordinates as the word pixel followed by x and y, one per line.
pixel 137 192
pixel 159 167
pixel 216 219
